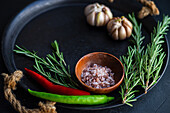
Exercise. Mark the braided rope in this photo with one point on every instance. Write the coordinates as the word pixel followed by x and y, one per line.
pixel 10 84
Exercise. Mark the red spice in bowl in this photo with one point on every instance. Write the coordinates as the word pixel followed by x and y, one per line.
pixel 102 59
pixel 97 76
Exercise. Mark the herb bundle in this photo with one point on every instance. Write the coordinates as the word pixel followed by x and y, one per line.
pixel 142 66
pixel 50 64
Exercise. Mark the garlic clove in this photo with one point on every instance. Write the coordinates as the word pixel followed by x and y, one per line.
pixel 114 27
pixel 100 19
pixel 128 31
pixel 91 19
pixel 127 22
pixel 109 25
pixel 122 33
pixel 89 9
pixel 115 34
pixel 106 19
pixel 108 12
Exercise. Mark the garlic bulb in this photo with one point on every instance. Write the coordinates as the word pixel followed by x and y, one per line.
pixel 97 14
pixel 119 28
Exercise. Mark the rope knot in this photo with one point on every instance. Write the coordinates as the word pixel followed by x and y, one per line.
pixel 10 81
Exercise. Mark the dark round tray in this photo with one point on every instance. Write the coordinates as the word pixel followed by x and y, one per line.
pixel 42 22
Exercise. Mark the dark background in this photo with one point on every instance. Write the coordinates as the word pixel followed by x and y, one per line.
pixel 156 101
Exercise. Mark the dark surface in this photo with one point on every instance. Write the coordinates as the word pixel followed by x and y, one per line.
pixel 155 101
pixel 40 24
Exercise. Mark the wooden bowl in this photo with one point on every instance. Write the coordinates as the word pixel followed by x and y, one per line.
pixel 103 59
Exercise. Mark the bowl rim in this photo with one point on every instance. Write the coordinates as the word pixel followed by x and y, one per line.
pixel 115 85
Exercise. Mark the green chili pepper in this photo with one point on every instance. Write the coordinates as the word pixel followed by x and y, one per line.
pixel 84 100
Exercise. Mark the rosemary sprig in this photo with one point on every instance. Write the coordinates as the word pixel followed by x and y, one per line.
pixel 130 80
pixel 131 66
pixel 154 55
pixel 142 66
pixel 53 69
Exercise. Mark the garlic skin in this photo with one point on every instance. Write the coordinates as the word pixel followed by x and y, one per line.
pixel 97 14
pixel 119 28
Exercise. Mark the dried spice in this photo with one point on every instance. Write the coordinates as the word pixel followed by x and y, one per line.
pixel 148 8
pixel 97 76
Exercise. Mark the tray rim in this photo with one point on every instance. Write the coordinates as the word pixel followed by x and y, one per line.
pixel 37 5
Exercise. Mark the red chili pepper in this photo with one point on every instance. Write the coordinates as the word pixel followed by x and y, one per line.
pixel 52 88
